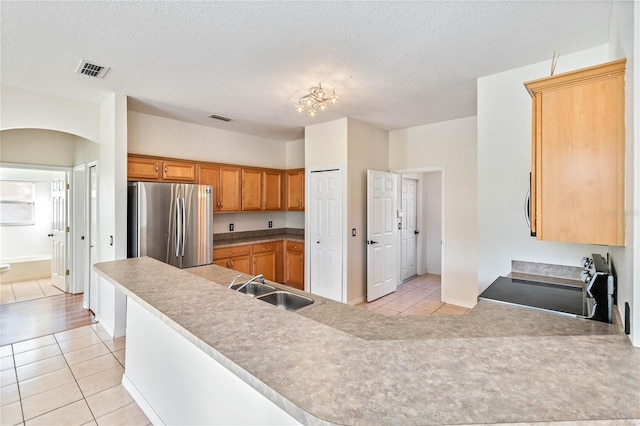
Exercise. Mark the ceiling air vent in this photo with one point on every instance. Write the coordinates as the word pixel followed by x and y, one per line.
pixel 92 70
pixel 221 117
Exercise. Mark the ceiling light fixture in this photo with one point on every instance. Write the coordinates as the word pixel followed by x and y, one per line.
pixel 316 100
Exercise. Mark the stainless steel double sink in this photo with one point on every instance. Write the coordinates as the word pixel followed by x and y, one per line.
pixel 282 299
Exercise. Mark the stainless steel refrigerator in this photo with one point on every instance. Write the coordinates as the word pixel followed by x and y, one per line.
pixel 171 222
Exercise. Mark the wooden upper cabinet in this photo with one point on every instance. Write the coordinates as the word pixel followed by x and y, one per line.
pixel 235 188
pixel 251 189
pixel 226 186
pixel 230 189
pixel 577 156
pixel 294 189
pixel 178 171
pixel 272 190
pixel 141 168
pixel 154 169
pixel 261 190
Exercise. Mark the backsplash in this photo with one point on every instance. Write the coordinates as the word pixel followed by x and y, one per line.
pixel 546 269
pixel 256 234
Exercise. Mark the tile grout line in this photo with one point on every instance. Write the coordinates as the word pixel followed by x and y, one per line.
pixel 84 397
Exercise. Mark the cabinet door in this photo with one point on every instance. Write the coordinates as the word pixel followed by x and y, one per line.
pixel 251 187
pixel 210 175
pixel 230 181
pixel 578 156
pixel 271 190
pixel 265 264
pixel 294 267
pixel 179 171
pixel 143 168
pixel 241 264
pixel 224 262
pixel 294 190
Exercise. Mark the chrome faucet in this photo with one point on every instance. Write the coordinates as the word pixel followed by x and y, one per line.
pixel 259 277
pixel 234 280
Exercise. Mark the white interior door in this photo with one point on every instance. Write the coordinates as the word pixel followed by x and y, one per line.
pixel 383 243
pixel 93 238
pixel 59 232
pixel 325 243
pixel 409 257
pixel 78 231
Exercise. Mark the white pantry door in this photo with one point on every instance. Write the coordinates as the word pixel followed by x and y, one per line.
pixel 325 210
pixel 409 256
pixel 59 233
pixel 382 234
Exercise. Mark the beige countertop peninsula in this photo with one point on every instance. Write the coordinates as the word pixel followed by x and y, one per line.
pixel 337 364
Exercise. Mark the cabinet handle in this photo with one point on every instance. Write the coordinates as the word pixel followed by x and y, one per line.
pixel 165 168
pixel 156 167
pixel 231 262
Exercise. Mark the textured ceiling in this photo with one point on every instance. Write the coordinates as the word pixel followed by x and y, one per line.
pixel 393 64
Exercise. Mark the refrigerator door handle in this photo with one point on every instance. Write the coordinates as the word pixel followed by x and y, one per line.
pixel 184 225
pixel 178 227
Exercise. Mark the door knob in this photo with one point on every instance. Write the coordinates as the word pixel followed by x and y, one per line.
pixel 49 235
pixel 416 232
pixel 372 242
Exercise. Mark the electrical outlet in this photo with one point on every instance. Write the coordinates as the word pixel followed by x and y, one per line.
pixel 270 224
pixel 353 232
pixel 231 227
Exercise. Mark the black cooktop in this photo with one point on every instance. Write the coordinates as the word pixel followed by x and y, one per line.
pixel 550 297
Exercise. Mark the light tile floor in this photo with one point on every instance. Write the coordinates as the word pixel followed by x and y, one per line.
pixel 68 378
pixel 418 296
pixel 26 290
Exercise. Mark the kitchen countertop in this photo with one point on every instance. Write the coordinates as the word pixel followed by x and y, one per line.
pixel 344 365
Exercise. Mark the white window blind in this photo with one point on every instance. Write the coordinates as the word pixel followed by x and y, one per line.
pixel 17 202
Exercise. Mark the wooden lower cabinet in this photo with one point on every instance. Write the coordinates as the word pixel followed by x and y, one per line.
pixel 294 264
pixel 266 259
pixel 237 258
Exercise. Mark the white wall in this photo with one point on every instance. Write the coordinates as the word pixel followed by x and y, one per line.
pixel 623 44
pixel 452 145
pixel 325 144
pixel 432 219
pixel 367 149
pixel 35 146
pixel 504 163
pixel 25 109
pixel 295 154
pixel 164 137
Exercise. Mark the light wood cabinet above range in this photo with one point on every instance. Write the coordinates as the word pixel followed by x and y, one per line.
pixel 577 156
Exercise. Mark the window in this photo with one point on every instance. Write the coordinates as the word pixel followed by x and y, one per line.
pixel 17 202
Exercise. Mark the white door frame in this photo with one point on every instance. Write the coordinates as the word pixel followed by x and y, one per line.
pixel 69 198
pixel 307 227
pixel 79 242
pixel 443 251
pixel 92 276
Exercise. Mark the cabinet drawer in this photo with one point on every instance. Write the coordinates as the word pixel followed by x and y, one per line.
pixel 224 252
pixel 264 247
pixel 295 246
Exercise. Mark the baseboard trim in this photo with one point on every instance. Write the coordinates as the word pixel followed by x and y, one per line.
pixel 458 302
pixel 142 403
pixel 357 301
